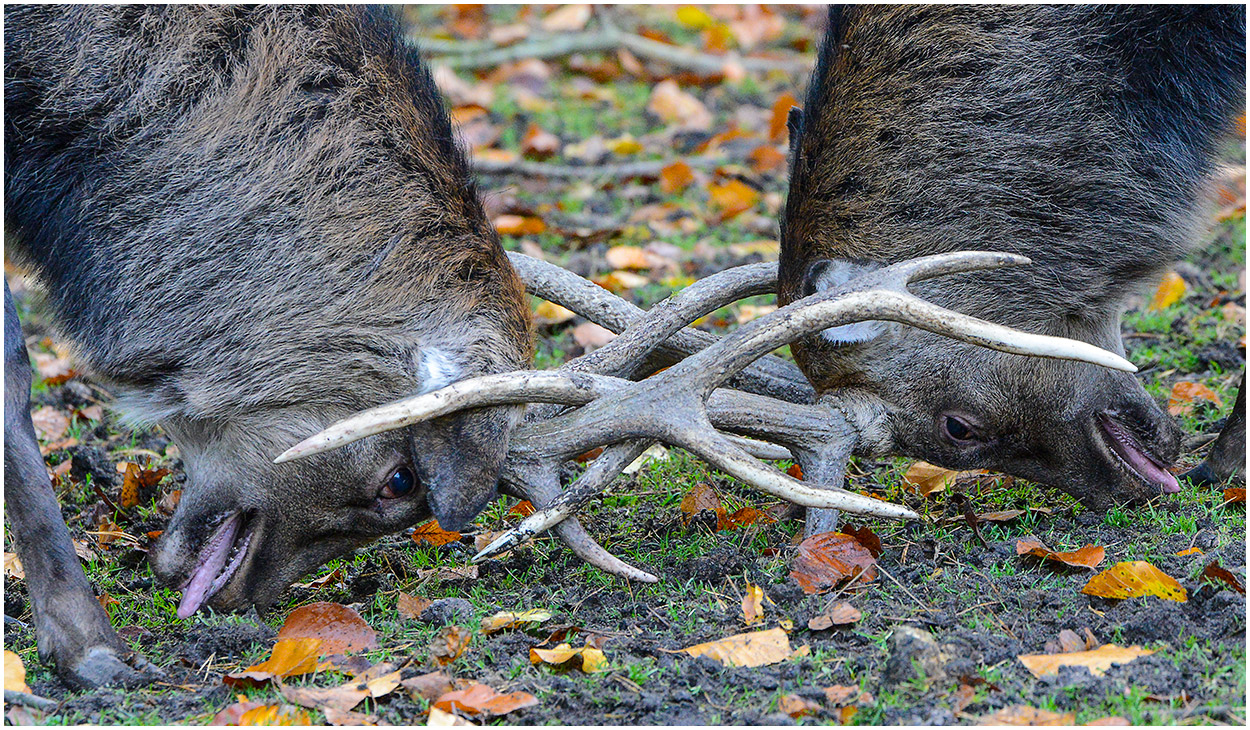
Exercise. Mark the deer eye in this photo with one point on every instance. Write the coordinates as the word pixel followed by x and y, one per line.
pixel 958 429
pixel 399 484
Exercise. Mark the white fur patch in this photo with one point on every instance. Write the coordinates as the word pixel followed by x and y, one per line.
pixel 835 274
pixel 438 370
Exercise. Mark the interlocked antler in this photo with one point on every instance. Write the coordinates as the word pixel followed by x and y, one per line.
pixel 596 404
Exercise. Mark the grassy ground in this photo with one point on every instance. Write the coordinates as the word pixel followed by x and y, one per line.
pixel 982 604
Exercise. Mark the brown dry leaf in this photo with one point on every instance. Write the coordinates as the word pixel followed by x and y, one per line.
pixel 350 719
pixel 1098 661
pixel 1170 291
pixel 1181 400
pixel 796 706
pixel 13 567
pixel 549 313
pixel 450 642
pixel 315 584
pixel 628 257
pixel 931 479
pixel 841 694
pixel 1234 313
pixel 766 158
pixel 754 649
pixel 592 336
pixel 514 619
pixel 1088 556
pixel 342 698
pixel 675 177
pixel 136 480
pixel 410 606
pixel 14 673
pixel 753 605
pixel 50 424
pixel 732 197
pixel 290 657
pixel 1213 571
pixel 449 573
pixel 567 18
pixel 742 517
pixel 781 113
pixel 428 686
pixel 674 106
pixel 54 369
pixel 749 312
pixel 1135 578
pixel 521 509
pixel 828 559
pixel 866 537
pixel 233 713
pixel 519 225
pixel 1003 516
pixel 340 629
pixel 838 614
pixel 1235 494
pixel 1109 721
pixel 1025 715
pixel 539 144
pixel 478 699
pixel 701 497
pixel 586 658
pixel 1189 551
pixel 433 534
pixel 439 718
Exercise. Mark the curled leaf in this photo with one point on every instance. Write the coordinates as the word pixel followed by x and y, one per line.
pixel 1087 557
pixel 586 658
pixel 433 534
pixel 1214 572
pixel 1132 579
pixel 753 605
pixel 827 559
pixel 514 619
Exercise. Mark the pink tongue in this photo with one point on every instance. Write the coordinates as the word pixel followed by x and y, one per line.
pixel 1142 463
pixel 212 560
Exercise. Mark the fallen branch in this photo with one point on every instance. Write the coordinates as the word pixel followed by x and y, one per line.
pixel 25 699
pixel 647 168
pixel 474 55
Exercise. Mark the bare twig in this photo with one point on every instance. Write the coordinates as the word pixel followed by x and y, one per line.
pixel 474 55
pixel 25 699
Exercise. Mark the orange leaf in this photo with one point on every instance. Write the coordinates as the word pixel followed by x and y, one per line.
pixel 1189 551
pixel 1213 571
pixel 410 606
pixel 741 517
pixel 14 673
pixel 1132 579
pixel 539 144
pixel 518 225
pixel 289 658
pixel 1235 494
pixel 781 113
pixel 795 471
pixel 827 559
pixel 675 177
pixel 1087 557
pixel 866 537
pixel 478 699
pixel 839 614
pixel 340 629
pixel 1097 661
pixel 766 158
pixel 754 649
pixel 1025 715
pixel 796 706
pixel 522 509
pixel 733 197
pixel 430 532
pixel 753 605
pixel 587 658
pixel 674 106
pixel 931 479
pixel 628 257
pixel 701 497
pixel 1170 291
pixel 1181 400
pixel 450 642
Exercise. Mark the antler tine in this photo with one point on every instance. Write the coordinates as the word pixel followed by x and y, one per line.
pixel 944 264
pixel 525 386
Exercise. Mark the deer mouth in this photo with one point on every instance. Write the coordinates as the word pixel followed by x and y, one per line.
pixel 1135 458
pixel 218 562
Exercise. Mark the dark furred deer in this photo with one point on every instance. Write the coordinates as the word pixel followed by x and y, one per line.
pixel 252 222
pixel 1078 136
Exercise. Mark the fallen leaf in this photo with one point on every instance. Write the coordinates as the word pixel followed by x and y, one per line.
pixel 233 713
pixel 478 699
pixel 1088 556
pixel 1109 721
pixel 14 673
pixel 1189 551
pixel 1098 661
pixel 841 694
pixel 675 177
pixel 1213 571
pixel 1069 641
pixel 275 715
pixel 13 567
pixel 315 584
pixel 693 16
pixel 732 197
pixel 846 714
pixel 514 619
pixel 50 424
pixel 136 480
pixel 628 257
pixel 930 479
pixel 342 698
pixel 440 718
pixel 749 312
pixel 1003 516
pixel 549 313
pixel 765 159
pixel 450 642
pixel 796 706
pixel 620 281
pixel 754 649
pixel 781 114
pixel 1184 394
pixel 1025 715
pixel 963 697
pixel 742 517
pixel 428 686
pixel 767 248
pixel 410 606
pixel 592 336
pixel 828 559
pixel 624 145
pixel 586 658
pixel 521 509
pixel 700 497
pixel 538 143
pixel 838 614
pixel 866 537
pixel 674 106
pixel 290 657
pixel 433 534
pixel 517 225
pixel 340 629
pixel 1235 494
pixel 352 719
pixel 54 369
pixel 753 605
pixel 1170 291
pixel 1132 579
pixel 449 573
pixel 567 18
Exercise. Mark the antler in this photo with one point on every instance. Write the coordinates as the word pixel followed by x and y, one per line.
pixel 686 405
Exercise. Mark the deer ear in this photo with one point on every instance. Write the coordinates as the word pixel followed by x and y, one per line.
pixel 794 123
pixel 825 274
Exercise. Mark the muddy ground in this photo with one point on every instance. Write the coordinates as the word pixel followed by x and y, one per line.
pixel 981 603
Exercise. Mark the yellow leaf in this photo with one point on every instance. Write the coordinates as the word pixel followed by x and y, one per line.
pixel 1132 579
pixel 1170 291
pixel 733 197
pixel 754 649
pixel 675 177
pixel 513 619
pixel 13 567
pixel 1097 661
pixel 586 658
pixel 753 605
pixel 14 673
pixel 1025 715
pixel 1189 551
pixel 693 16
pixel 290 658
pixel 275 715
pixel 551 313
pixel 624 145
